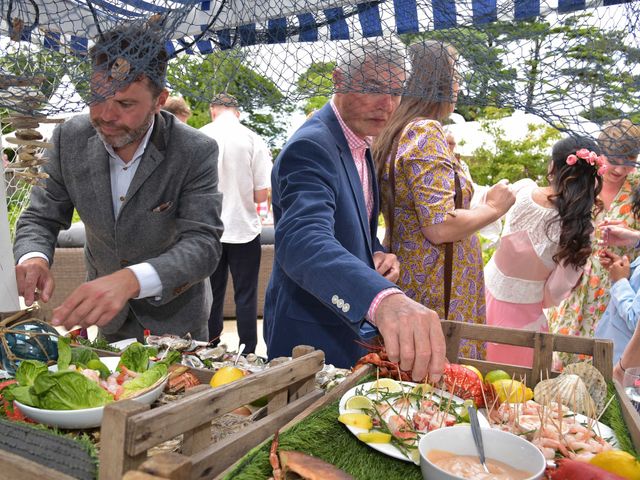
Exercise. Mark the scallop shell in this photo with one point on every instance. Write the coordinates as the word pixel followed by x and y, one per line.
pixel 570 390
pixel 593 379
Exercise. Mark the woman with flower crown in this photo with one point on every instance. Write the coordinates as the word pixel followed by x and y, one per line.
pixel 580 313
pixel 545 244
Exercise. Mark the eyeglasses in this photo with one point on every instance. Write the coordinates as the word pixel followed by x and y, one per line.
pixel 26 339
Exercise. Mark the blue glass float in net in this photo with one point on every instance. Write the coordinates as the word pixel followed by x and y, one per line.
pixel 24 338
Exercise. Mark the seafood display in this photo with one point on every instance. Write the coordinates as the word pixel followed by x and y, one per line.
pixel 558 415
pixel 457 378
pixel 391 416
pixel 554 429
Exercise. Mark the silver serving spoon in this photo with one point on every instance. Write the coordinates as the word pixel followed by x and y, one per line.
pixel 477 435
pixel 240 350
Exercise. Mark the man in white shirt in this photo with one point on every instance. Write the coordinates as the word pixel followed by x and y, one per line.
pixel 244 169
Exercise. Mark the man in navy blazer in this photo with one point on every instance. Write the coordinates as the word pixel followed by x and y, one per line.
pixel 332 283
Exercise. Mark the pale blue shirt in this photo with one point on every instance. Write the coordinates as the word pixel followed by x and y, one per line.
pixel 619 320
pixel 122 174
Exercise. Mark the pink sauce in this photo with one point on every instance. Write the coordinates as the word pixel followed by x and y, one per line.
pixel 469 466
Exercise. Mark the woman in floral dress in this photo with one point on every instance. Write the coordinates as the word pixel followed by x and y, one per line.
pixel 580 312
pixel 417 181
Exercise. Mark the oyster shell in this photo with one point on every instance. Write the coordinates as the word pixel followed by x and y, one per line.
pixel 593 379
pixel 568 389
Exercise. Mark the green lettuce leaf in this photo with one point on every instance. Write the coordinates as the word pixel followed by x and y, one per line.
pixel 28 371
pixel 68 390
pixel 102 369
pixel 136 357
pixel 64 353
pixel 24 396
pixel 81 356
pixel 144 380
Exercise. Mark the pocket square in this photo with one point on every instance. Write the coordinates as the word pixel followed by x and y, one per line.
pixel 162 207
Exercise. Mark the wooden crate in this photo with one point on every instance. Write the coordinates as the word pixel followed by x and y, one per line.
pixel 544 344
pixel 129 429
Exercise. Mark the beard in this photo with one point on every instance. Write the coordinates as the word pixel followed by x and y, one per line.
pixel 128 135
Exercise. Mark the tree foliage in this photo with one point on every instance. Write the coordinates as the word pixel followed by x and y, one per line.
pixel 201 78
pixel 316 85
pixel 513 159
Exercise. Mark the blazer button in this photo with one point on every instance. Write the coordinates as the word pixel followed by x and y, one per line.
pixel 346 307
pixel 334 299
pixel 340 303
pixel 124 263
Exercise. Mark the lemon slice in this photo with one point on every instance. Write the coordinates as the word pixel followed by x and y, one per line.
pixel 374 437
pixel 359 420
pixel 422 389
pixel 386 385
pixel 414 455
pixel 358 402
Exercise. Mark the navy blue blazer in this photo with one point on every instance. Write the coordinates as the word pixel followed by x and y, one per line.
pixel 323 279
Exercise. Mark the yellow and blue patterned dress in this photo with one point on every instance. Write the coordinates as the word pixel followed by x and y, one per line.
pixel 424 196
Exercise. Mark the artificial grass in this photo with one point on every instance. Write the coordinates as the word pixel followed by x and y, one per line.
pixel 612 417
pixel 321 435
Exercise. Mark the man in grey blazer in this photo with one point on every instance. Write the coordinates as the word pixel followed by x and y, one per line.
pixel 145 186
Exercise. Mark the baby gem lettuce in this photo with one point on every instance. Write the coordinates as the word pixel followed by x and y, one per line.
pixel 83 381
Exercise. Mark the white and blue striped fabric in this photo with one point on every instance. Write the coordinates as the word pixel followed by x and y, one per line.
pixel 210 25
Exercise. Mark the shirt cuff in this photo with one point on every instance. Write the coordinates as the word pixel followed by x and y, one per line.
pixel 149 280
pixel 29 255
pixel 371 313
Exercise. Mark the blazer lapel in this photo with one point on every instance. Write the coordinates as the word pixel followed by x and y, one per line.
pixel 151 158
pixel 101 180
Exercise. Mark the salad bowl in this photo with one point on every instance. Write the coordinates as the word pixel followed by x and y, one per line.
pixel 87 417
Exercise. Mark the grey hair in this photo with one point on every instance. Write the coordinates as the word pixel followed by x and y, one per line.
pixel 381 52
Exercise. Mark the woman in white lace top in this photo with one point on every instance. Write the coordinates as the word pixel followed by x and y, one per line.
pixel 544 245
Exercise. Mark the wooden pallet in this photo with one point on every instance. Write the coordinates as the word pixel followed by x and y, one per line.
pixel 129 429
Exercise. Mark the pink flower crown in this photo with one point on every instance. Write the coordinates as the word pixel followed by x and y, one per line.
pixel 592 158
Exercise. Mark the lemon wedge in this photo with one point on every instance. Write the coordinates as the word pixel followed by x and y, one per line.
pixel 386 385
pixel 374 437
pixel 358 402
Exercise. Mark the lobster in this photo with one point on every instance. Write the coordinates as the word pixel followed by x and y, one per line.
pixel 457 379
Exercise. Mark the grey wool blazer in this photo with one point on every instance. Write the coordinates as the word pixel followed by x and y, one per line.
pixel 170 217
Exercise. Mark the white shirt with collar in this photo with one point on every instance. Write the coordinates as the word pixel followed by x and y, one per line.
pixel 122 174
pixel 244 166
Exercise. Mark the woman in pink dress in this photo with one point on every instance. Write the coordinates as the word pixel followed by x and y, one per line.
pixel 544 245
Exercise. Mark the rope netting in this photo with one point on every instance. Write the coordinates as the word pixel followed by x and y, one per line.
pixel 573 63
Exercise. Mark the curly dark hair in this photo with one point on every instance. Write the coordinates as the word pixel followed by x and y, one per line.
pixel 576 190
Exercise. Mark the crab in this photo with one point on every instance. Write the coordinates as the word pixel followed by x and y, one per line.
pixel 301 465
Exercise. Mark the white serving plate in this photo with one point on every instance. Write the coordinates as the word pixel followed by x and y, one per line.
pixel 86 417
pixel 388 448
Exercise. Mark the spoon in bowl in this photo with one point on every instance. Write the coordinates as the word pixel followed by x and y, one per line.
pixel 477 435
